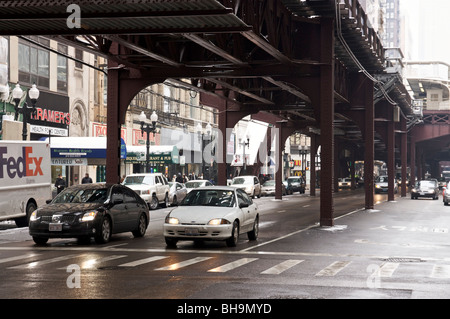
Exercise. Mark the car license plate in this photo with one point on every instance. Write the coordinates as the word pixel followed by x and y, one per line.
pixel 55 227
pixel 191 232
pixel 422 193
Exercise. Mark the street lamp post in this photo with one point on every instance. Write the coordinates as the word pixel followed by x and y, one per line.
pixel 148 128
pixel 25 109
pixel 201 136
pixel 244 144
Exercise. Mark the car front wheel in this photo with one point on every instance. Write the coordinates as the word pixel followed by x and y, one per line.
pixel 142 226
pixel 154 203
pixel 232 241
pixel 103 235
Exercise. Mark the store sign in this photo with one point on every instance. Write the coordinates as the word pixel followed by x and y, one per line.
pixel 139 158
pixel 69 161
pixel 100 129
pixel 52 115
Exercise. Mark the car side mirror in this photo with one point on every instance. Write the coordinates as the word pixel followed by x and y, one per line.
pixel 243 205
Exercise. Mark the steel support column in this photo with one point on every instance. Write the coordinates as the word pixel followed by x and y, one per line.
pixel 279 160
pixel 369 135
pixel 326 122
pixel 312 185
pixel 412 160
pixel 113 124
pixel 390 153
pixel 404 155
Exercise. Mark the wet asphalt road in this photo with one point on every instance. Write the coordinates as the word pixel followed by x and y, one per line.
pixel 398 250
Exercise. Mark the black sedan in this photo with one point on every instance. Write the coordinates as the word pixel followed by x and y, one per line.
pixel 90 210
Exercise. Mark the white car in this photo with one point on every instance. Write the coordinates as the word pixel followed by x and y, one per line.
pixel 152 187
pixel 213 213
pixel 197 183
pixel 177 193
pixel 249 184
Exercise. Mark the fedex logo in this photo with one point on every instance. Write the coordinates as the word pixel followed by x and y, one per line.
pixel 26 165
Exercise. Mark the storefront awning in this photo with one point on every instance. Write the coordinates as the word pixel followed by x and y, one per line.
pixel 81 147
pixel 161 154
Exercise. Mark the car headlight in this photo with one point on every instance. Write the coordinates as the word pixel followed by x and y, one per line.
pixel 172 220
pixel 219 221
pixel 33 216
pixel 89 216
pixel 377 186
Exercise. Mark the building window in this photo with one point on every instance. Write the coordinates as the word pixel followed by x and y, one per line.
pixel 62 69
pixel 34 63
pixel 79 56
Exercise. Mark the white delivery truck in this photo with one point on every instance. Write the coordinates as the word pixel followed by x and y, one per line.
pixel 25 179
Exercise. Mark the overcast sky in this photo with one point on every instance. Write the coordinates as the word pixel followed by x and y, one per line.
pixel 427 29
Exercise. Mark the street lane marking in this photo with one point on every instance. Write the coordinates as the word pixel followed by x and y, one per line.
pixel 91 263
pixel 233 265
pixel 387 269
pixel 5 260
pixel 185 263
pixel 43 262
pixel 440 271
pixel 143 261
pixel 285 265
pixel 333 269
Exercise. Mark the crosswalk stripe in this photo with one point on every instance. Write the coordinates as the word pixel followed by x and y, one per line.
pixel 387 269
pixel 440 271
pixel 90 263
pixel 285 265
pixel 185 263
pixel 43 262
pixel 143 261
pixel 333 269
pixel 5 260
pixel 233 265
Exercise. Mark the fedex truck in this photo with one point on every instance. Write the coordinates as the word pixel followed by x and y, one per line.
pixel 25 179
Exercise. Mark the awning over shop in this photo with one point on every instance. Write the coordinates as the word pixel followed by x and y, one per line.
pixel 161 154
pixel 81 147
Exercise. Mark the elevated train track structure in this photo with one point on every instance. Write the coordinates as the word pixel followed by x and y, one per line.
pixel 314 67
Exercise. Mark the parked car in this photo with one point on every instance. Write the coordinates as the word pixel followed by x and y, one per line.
pixel 90 210
pixel 249 184
pixel 382 185
pixel 426 188
pixel 213 213
pixel 297 183
pixel 446 194
pixel 152 187
pixel 197 183
pixel 268 188
pixel 177 193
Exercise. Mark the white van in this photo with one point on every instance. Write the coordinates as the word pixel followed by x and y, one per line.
pixel 25 179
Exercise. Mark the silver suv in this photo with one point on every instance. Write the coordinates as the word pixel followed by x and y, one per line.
pixel 249 184
pixel 152 187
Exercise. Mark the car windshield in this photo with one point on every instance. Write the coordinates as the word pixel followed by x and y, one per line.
pixel 382 179
pixel 239 181
pixel 137 180
pixel 269 183
pixel 89 195
pixel 199 197
pixel 427 184
pixel 194 184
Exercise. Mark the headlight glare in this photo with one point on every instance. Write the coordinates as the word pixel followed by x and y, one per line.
pixel 218 221
pixel 89 216
pixel 172 220
pixel 33 216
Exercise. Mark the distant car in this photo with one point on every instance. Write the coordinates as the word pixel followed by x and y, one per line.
pixel 152 187
pixel 425 188
pixel 288 188
pixel 213 213
pixel 197 183
pixel 297 183
pixel 345 183
pixel 249 184
pixel 268 188
pixel 382 185
pixel 177 193
pixel 90 210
